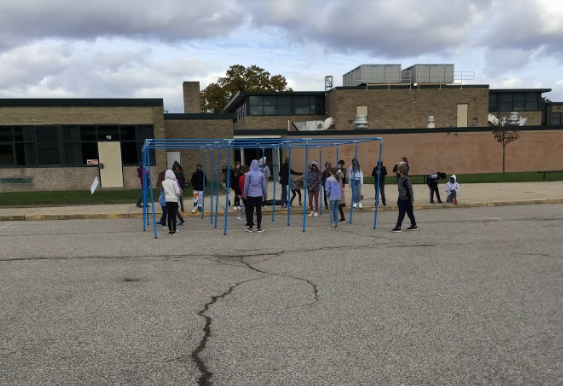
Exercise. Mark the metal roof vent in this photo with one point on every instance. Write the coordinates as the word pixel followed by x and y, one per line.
pixel 361 122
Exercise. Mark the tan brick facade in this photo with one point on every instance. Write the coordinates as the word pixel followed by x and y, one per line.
pixel 192 97
pixel 409 108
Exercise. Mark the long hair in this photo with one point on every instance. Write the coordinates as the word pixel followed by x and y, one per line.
pixel 356 165
pixel 405 160
pixel 161 177
pixel 333 172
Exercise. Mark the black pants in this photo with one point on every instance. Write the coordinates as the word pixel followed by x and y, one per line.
pixel 251 203
pixel 381 193
pixel 293 193
pixel 341 211
pixel 434 189
pixel 405 206
pixel 172 208
pixel 326 201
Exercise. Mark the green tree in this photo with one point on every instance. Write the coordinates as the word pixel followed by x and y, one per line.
pixel 215 97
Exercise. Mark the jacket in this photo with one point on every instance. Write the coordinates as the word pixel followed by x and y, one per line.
pixel 255 184
pixel 266 171
pixel 241 185
pixel 433 179
pixel 377 176
pixel 295 184
pixel 314 180
pixel 344 172
pixel 285 170
pixel 179 176
pixel 358 175
pixel 405 189
pixel 170 186
pixel 452 186
pixel 198 180
pixel 333 188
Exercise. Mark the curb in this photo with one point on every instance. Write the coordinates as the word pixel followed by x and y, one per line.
pixel 79 216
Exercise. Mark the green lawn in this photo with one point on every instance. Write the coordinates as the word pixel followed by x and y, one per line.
pixel 81 197
pixel 484 178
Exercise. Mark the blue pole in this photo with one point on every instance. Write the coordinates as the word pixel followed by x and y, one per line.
pixel 144 189
pixel 288 184
pixel 353 180
pixel 321 191
pixel 377 187
pixel 218 178
pixel 212 185
pixel 228 186
pixel 205 179
pixel 152 194
pixel 306 175
pixel 275 150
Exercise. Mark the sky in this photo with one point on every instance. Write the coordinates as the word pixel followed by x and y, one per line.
pixel 147 48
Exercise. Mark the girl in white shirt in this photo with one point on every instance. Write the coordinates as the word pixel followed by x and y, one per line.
pixel 356 181
pixel 172 195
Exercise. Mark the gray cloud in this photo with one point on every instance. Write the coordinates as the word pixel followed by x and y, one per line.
pixel 25 21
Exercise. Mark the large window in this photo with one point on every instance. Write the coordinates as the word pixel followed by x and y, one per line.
pixel 557 119
pixel 69 145
pixel 513 101
pixel 286 105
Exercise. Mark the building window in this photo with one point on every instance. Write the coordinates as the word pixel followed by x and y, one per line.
pixel 280 105
pixel 557 119
pixel 69 145
pixel 517 101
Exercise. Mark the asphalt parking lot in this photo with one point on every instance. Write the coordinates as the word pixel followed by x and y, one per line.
pixel 474 297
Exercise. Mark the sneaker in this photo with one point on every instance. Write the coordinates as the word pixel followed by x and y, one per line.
pixel 163 225
pixel 248 229
pixel 311 214
pixel 342 219
pixel 240 218
pixel 360 205
pixel 260 230
pixel 181 223
pixel 300 204
pixel 316 214
pixel 331 228
pixel 455 201
pixel 432 202
pixel 355 205
pixel 396 230
pixel 266 207
pixel 200 209
pixel 194 210
pixel 440 202
pixel 412 228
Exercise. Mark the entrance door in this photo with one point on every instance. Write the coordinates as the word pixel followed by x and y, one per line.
pixel 111 169
pixel 462 115
pixel 171 157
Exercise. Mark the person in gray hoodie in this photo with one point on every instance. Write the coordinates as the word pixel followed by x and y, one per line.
pixel 255 190
pixel 405 201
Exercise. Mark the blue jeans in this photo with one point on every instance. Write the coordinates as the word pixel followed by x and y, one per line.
pixel 284 194
pixel 357 191
pixel 164 215
pixel 333 212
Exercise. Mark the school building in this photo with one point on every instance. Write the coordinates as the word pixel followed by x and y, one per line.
pixel 425 113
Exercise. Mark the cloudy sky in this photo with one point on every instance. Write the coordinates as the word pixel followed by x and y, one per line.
pixel 146 48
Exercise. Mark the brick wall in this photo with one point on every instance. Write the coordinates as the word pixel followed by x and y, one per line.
pixel 404 108
pixel 192 97
pixel 273 122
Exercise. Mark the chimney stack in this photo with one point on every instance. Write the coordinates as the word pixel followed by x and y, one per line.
pixel 192 102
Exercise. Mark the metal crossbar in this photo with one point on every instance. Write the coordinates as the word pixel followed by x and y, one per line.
pixel 213 147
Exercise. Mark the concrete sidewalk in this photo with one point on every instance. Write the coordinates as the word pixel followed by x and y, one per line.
pixel 470 195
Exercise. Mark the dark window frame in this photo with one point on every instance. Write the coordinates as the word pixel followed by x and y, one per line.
pixel 514 101
pixel 285 105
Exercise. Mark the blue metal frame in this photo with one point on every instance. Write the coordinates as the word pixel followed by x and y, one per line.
pixel 263 144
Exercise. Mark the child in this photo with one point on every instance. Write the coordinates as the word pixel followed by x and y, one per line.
pixel 342 196
pixel 326 175
pixel 405 201
pixel 172 195
pixel 356 181
pixel 296 185
pixel 264 168
pixel 237 172
pixel 333 189
pixel 179 173
pixel 242 208
pixel 198 185
pixel 432 181
pixel 314 181
pixel 162 199
pixel 452 188
pixel 381 178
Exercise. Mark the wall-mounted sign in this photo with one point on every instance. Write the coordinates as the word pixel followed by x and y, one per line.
pixel 91 162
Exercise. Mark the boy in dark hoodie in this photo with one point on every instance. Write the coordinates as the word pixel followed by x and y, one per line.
pixel 405 201
pixel 381 178
pixel 198 186
pixel 179 173
pixel 432 180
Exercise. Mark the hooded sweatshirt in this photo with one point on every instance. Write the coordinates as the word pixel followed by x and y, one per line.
pixel 452 186
pixel 179 175
pixel 255 184
pixel 333 188
pixel 264 168
pixel 198 180
pixel 314 180
pixel 170 187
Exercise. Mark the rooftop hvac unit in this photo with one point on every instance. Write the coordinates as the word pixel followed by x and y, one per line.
pixel 373 74
pixel 430 73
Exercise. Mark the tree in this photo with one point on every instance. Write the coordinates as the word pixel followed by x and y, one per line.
pixel 215 96
pixel 504 135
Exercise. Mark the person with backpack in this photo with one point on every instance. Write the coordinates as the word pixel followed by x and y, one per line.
pixel 405 200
